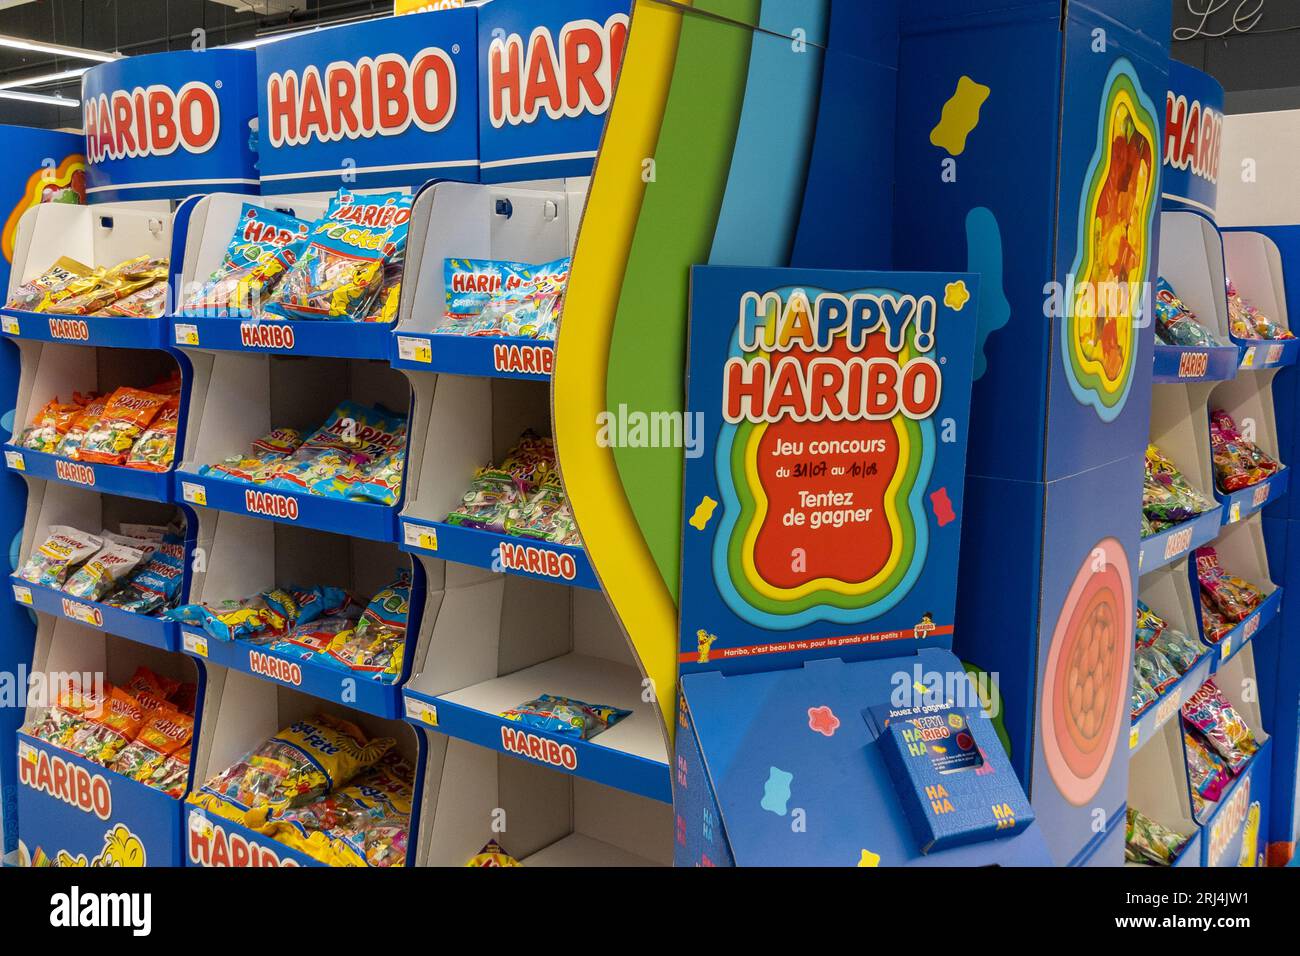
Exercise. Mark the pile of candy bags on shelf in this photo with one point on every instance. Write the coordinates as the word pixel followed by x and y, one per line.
pixel 1218 742
pixel 1168 498
pixel 141 730
pixel 139 569
pixel 522 496
pixel 486 297
pixel 135 427
pixel 344 267
pixel 1238 463
pixel 1226 600
pixel 358 454
pixel 565 716
pixel 1149 843
pixel 1176 324
pixel 1161 655
pixel 1247 322
pixel 136 288
pixel 326 625
pixel 324 788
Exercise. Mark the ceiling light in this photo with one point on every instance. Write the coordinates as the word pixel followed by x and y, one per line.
pixel 44 78
pixel 57 49
pixel 38 98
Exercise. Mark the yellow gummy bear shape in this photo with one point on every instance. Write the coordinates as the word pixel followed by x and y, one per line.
pixel 961 114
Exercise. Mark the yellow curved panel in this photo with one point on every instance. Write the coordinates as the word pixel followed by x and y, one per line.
pixel 624 566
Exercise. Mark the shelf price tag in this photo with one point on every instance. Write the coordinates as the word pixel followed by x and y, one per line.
pixel 1225 649
pixel 1134 735
pixel 187 334
pixel 1248 360
pixel 23 595
pixel 1234 513
pixel 426 539
pixel 9 324
pixel 410 349
pixel 424 713
pixel 26 752
pixel 201 825
pixel 14 459
pixel 196 644
pixel 194 494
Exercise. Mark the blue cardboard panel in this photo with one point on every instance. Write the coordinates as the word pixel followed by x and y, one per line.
pixel 792 747
pixel 547 70
pixel 1236 832
pixel 831 529
pixel 96 817
pixel 1085 647
pixel 699 838
pixel 371 340
pixel 95 330
pixel 1109 851
pixel 170 125
pixel 389 102
pixel 212 841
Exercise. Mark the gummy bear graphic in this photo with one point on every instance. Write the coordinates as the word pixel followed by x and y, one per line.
pixel 1116 220
pixel 960 116
pixel 823 721
pixel 776 792
pixel 703 641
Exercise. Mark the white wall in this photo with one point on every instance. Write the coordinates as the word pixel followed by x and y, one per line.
pixel 1272 141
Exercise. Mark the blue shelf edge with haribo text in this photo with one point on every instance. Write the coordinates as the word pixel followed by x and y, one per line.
pixel 1230 645
pixel 1165 547
pixel 334 684
pixel 115 332
pixel 475 355
pixel 219 842
pixel 581 758
pixel 142 629
pixel 495 551
pixel 358 519
pixel 1241 504
pixel 105 479
pixel 1166 707
pixel 1262 354
pixel 360 340
pixel 1183 364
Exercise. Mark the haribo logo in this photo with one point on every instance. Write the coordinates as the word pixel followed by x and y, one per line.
pixel 151 121
pixel 266 335
pixel 566 79
pixel 1099 331
pixel 1192 136
pixel 523 359
pixel 287 672
pixel 540 561
pixel 72 471
pixel 383 96
pixel 271 505
pixel 62 780
pixel 539 748
pixel 85 613
pixel 75 329
pixel 210 845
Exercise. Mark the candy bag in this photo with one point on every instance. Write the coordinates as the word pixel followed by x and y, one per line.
pixel 70 444
pixel 1180 650
pixel 356 429
pixel 1176 324
pixel 114 284
pixel 492 855
pixel 302 762
pixel 147 303
pixel 1149 623
pixel 128 413
pixel 265 456
pixel 332 279
pixel 378 642
pixel 266 243
pixel 1143 694
pixel 165 731
pixel 29 296
pixel 545 516
pixel 1247 322
pixel 531 461
pixel 1167 497
pixel 103 572
pixel 488 502
pixel 72 707
pixel 471 285
pixel 229 620
pixel 1148 842
pixel 1208 773
pixel 1155 669
pixel 171 774
pixel 101 737
pixel 156 448
pixel 1210 712
pixel 565 716
pixel 1238 463
pixel 1233 598
pixel 312 640
pixel 380 481
pixel 157 584
pixel 49 426
pixel 147 683
pixel 64 549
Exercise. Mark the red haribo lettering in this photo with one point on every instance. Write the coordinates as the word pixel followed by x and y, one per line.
pixel 538 748
pixel 152 121
pixel 523 359
pixel 1192 136
pixel 266 335
pixel 67 782
pixel 566 79
pixel 69 329
pixel 271 505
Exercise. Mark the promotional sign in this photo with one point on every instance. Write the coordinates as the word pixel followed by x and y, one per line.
pixel 401 7
pixel 824 479
pixel 391 102
pixel 1193 139
pixel 170 125
pixel 546 73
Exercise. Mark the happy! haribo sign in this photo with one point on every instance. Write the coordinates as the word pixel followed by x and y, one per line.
pixel 822 515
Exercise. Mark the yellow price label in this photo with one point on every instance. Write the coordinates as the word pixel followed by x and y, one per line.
pixel 1133 737
pixel 1225 649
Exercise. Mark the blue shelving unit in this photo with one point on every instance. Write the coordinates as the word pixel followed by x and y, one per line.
pixel 498 552
pixel 486 356
pixel 142 629
pixel 360 340
pixel 105 479
pixel 118 332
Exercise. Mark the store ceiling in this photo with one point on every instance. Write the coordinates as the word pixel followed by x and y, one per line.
pixel 134 27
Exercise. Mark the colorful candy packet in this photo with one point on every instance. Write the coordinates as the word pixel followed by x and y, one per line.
pixel 265 457
pixel 157 584
pixel 229 620
pixel 1155 668
pixel 1238 463
pixel 165 731
pixel 126 416
pixel 32 294
pixel 265 244
pixel 1206 770
pixel 101 737
pixel 290 770
pixel 565 716
pixel 340 272
pixel 171 774
pixel 1247 322
pixel 1167 497
pixel 545 516
pixel 1149 624
pixel 155 449
pixel 380 481
pixel 377 644
pixel 1179 649
pixel 70 444
pixel 103 572
pixel 72 706
pixel 51 425
pixel 1143 695
pixel 147 303
pixel 487 297
pixel 1148 842
pixel 1176 324
pixel 1233 598
pixel 492 854
pixel 488 502
pixel 1210 712
pixel 114 284
pixel 64 549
